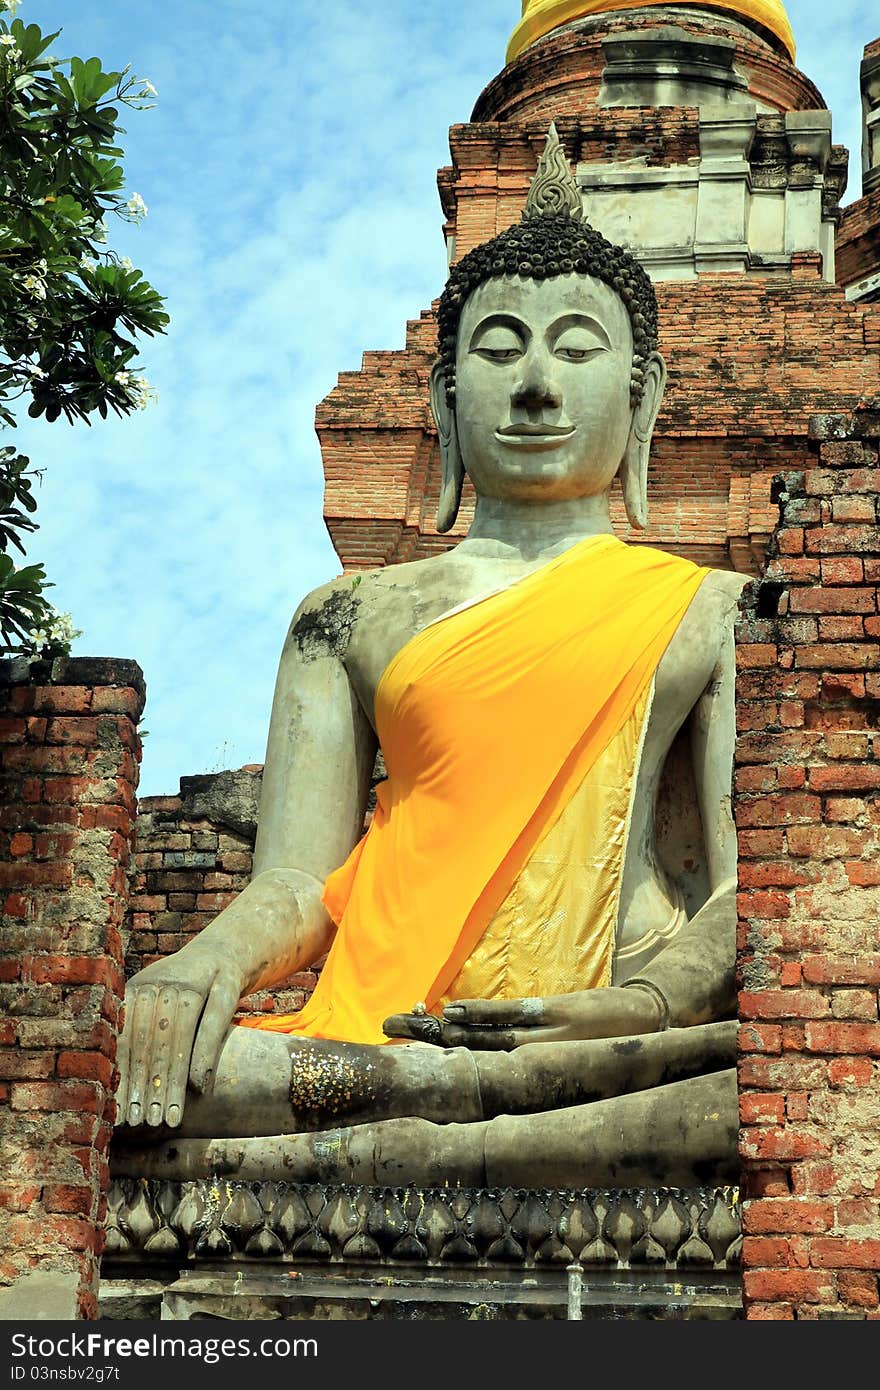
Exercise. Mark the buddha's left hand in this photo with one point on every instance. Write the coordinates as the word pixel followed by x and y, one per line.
pixel 502 1024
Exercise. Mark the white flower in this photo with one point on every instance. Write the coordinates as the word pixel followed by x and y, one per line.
pixel 127 263
pixel 87 263
pixel 123 378
pixel 137 207
pixel 62 630
pixel 35 285
pixel 37 374
pixel 7 40
pixel 58 632
pixel 10 6
pixel 141 393
pixel 147 88
pixel 9 47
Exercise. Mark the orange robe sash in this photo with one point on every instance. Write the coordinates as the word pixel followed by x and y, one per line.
pixel 489 719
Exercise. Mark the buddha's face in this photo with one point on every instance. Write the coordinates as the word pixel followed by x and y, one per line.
pixel 543 387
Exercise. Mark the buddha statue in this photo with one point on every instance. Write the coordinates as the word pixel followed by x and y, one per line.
pixel 515 992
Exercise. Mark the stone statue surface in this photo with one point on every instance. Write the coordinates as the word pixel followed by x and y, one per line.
pixel 548 387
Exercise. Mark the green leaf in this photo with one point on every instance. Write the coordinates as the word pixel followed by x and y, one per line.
pixel 90 82
pixel 30 40
pixel 60 167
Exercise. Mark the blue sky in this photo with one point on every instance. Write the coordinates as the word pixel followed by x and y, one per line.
pixel 289 169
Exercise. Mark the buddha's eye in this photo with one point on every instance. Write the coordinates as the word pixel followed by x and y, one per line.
pixel 578 344
pixel 497 343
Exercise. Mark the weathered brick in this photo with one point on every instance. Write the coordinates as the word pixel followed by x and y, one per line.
pixel 798 1286
pixel 757 1109
pixel 842 570
pixel 842 778
pixel 767 811
pixel 786 1073
pixel 62 699
pixel 859 1290
pixel 783 1003
pixel 760 1037
pixel 786 1142
pixel 80 1096
pixel 788 1215
pixel 16 1065
pixel 852 1071
pixel 842 970
pixel 831 1252
pixel 766 1252
pixel 854 1038
pixel 91 1066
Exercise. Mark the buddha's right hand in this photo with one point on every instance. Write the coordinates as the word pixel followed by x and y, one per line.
pixel 177 1015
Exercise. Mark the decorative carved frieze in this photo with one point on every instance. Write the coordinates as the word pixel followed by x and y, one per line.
pixel 622 1229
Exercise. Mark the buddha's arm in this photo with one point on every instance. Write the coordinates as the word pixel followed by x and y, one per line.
pixel 315 785
pixel 713 736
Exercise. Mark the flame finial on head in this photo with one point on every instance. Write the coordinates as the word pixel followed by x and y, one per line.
pixel 554 188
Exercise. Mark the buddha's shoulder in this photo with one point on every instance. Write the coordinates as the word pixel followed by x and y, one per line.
pixel 708 623
pixel 720 591
pixel 348 600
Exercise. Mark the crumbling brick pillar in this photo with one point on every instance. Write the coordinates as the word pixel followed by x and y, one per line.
pixel 807 803
pixel 70 755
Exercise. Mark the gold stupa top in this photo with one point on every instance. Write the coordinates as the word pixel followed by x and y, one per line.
pixel 540 17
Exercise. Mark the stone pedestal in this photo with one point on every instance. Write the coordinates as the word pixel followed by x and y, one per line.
pixel 277 1250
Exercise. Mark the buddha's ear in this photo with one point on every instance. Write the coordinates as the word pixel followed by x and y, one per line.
pixel 452 480
pixel 634 468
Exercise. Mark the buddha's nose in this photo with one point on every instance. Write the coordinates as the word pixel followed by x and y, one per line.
pixel 535 389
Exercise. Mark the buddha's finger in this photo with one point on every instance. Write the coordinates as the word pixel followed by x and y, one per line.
pixel 479 1039
pixel 522 1037
pixel 163 1037
pixel 496 1013
pixel 142 1014
pixel 189 1008
pixel 415 1028
pixel 219 1010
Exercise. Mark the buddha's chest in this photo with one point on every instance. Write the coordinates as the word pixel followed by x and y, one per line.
pixel 390 617
pixel 438 657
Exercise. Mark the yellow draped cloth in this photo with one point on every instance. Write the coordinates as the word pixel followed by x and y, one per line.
pixel 556 930
pixel 540 17
pixel 491 720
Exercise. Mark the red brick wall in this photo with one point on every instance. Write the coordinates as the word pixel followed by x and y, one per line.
pixel 808 815
pixel 70 756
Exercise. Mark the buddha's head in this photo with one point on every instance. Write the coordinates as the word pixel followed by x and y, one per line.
pixel 549 380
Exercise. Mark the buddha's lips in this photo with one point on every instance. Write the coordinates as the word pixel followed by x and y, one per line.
pixel 535 431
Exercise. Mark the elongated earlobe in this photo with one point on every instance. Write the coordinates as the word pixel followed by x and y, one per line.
pixel 633 471
pixel 452 480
